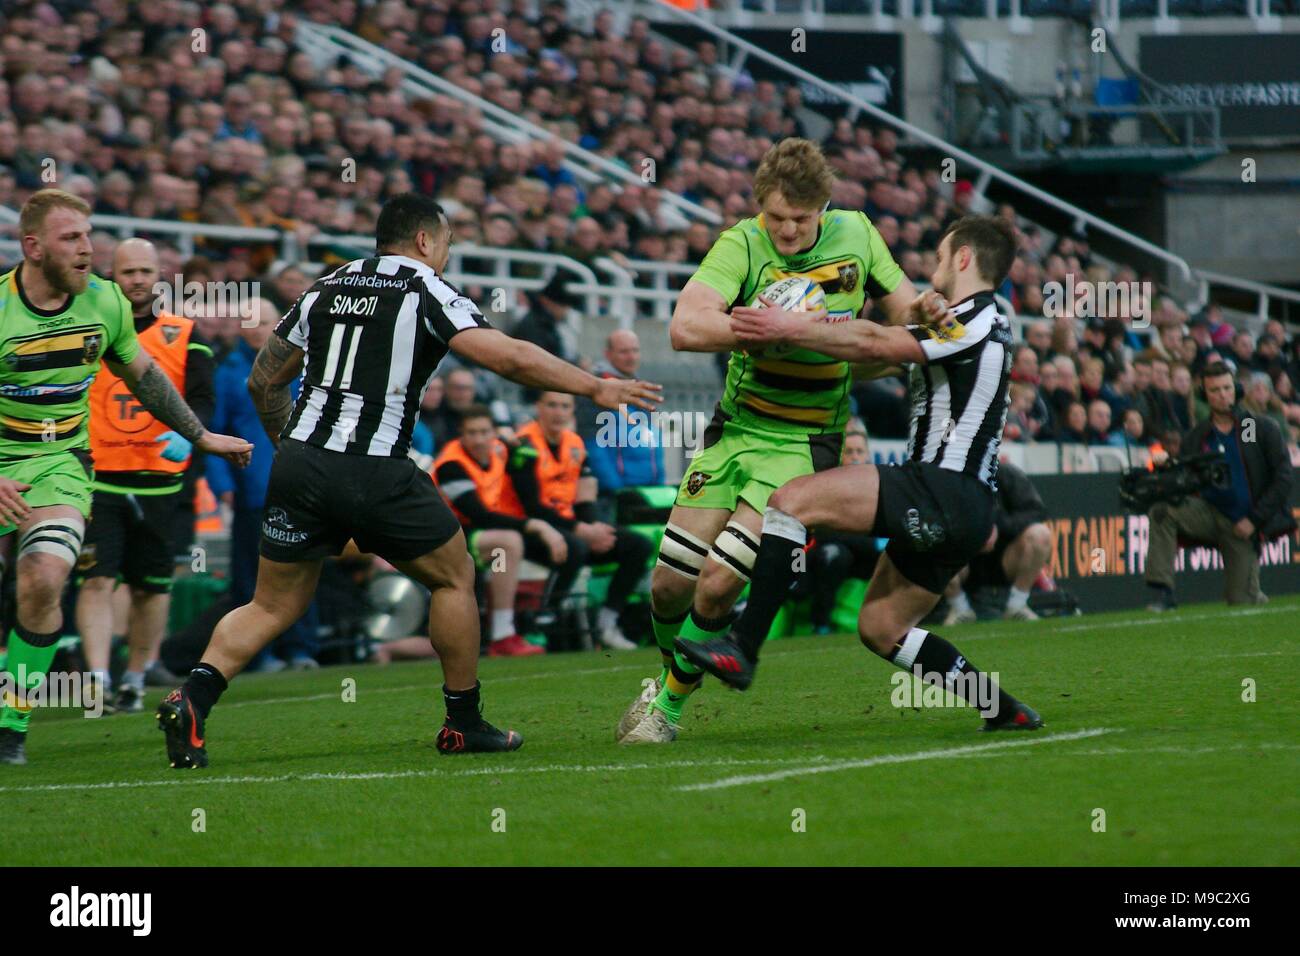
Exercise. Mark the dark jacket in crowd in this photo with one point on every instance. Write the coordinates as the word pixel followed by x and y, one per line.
pixel 1268 470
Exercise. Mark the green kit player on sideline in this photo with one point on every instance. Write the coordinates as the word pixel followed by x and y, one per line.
pixel 782 412
pixel 58 322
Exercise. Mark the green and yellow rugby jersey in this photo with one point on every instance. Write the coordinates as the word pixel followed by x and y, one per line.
pixel 48 360
pixel 796 389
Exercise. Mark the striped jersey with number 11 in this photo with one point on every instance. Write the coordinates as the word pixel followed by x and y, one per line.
pixel 373 331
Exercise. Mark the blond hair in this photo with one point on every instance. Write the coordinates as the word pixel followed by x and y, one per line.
pixel 40 204
pixel 798 170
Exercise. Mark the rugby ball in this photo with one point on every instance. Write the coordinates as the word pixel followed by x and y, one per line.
pixel 794 294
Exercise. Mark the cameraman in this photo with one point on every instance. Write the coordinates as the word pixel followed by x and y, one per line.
pixel 1255 506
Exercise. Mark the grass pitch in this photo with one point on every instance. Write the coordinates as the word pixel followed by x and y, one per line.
pixel 1145 721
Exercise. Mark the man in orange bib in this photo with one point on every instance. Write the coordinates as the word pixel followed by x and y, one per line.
pixel 471 474
pixel 555 484
pixel 140 519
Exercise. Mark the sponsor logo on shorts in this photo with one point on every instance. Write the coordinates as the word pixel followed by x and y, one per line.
pixel 696 482
pixel 277 526
pixel 924 535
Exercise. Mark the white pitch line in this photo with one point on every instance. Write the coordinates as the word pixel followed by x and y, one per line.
pixel 1152 621
pixel 883 759
pixel 1259 654
pixel 182 778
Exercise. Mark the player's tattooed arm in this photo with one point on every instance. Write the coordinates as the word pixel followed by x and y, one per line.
pixel 155 391
pixel 268 383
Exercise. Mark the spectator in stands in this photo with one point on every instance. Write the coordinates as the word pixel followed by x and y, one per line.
pixel 1117 391
pixel 1099 431
pixel 1260 400
pixel 443 419
pixel 471 474
pixel 1184 403
pixel 1020 425
pixel 554 482
pixel 1254 508
pixel 1134 430
pixel 1015 554
pixel 1221 333
pixel 1156 401
pixel 1290 406
pixel 542 325
pixel 1072 428
pixel 1198 331
pixel 1066 390
pixel 1268 354
pixel 244 489
pixel 1038 335
pixel 423 441
pixel 1243 350
pixel 625 447
pixel 1091 372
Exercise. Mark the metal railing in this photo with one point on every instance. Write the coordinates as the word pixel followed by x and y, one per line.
pixel 506 126
pixel 1036 120
pixel 1265 14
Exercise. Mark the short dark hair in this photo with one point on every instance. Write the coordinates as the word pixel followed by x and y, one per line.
pixel 1214 370
pixel 992 238
pixel 405 215
pixel 475 411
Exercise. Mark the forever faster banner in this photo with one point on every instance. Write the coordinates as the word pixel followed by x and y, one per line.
pixel 1253 78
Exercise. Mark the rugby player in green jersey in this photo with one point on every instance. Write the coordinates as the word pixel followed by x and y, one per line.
pixel 58 322
pixel 782 412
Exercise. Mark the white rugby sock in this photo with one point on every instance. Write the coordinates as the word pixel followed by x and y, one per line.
pixel 960 603
pixel 503 623
pixel 1018 599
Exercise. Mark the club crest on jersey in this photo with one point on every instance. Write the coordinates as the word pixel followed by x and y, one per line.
pixel 696 482
pixel 948 331
pixel 90 345
pixel 848 277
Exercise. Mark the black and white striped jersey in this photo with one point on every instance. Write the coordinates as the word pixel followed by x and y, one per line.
pixel 373 332
pixel 959 394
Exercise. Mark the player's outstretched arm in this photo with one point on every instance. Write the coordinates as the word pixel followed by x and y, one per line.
pixel 275 367
pixel 700 321
pixel 858 342
pixel 528 364
pixel 155 391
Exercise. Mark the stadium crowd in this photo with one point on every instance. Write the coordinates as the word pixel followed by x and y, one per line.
pixel 200 112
